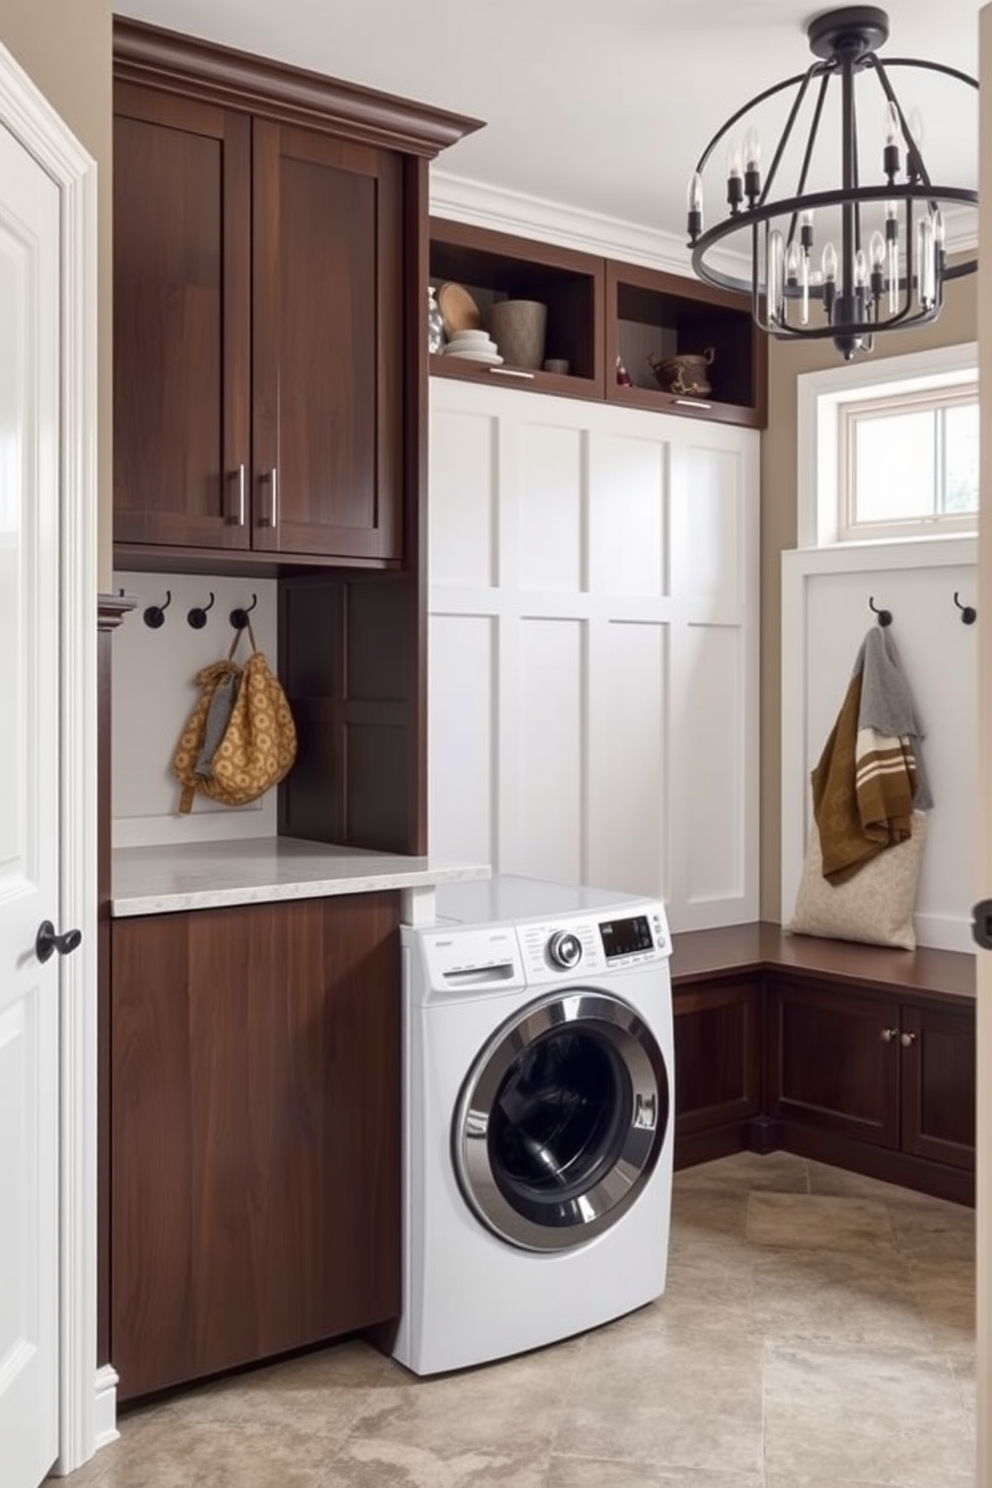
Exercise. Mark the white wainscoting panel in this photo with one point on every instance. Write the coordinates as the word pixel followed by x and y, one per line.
pixel 630 485
pixel 550 525
pixel 713 764
pixel 825 614
pixel 629 749
pixel 594 659
pixel 154 694
pixel 463 681
pixel 463 491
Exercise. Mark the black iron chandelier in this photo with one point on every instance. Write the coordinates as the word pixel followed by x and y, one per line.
pixel 846 261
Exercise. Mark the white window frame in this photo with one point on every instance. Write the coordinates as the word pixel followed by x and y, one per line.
pixel 821 396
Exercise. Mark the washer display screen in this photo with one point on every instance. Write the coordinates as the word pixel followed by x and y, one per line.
pixel 626 937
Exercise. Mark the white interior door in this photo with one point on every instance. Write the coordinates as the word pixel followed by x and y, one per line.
pixel 29 814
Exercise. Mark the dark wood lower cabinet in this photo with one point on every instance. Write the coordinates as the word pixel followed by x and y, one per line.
pixel 833 1061
pixel 717 1067
pixel 255 1133
pixel 938 1084
pixel 882 1086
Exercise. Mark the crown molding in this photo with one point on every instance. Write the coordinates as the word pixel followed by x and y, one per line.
pixel 515 212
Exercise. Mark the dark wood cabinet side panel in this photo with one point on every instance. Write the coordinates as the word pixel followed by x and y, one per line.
pixel 152 1144
pixel 180 329
pixel 111 610
pixel 360 1260
pixel 717 1055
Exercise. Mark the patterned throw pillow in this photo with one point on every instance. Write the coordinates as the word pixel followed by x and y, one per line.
pixel 875 906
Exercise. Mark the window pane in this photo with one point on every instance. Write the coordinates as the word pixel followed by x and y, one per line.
pixel 961 458
pixel 894 466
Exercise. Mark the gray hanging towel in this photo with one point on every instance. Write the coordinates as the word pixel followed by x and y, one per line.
pixel 887 704
pixel 218 717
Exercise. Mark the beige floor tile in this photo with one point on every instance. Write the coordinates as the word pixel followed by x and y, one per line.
pixel 366 1463
pixel 641 1395
pixel 718 1214
pixel 840 1295
pixel 515 1401
pixel 802 1221
pixel 945 1291
pixel 929 1229
pixel 580 1472
pixel 841 1413
pixel 215 1456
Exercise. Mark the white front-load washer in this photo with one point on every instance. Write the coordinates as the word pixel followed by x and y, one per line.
pixel 539 1118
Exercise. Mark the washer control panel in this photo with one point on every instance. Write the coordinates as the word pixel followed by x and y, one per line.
pixel 587 944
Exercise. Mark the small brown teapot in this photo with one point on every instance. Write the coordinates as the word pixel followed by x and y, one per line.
pixel 684 375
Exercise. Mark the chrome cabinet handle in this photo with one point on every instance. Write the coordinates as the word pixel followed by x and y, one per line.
pixel 272 520
pixel 888 1034
pixel 907 1039
pixel 238 519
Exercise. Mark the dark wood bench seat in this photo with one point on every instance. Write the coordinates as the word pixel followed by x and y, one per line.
pixel 699 955
pixel 859 1056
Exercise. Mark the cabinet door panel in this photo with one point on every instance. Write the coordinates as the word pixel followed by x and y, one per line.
pixel 833 1061
pixel 328 348
pixel 181 321
pixel 255 1133
pixel 938 1073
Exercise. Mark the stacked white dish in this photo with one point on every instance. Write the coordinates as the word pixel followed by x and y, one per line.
pixel 473 346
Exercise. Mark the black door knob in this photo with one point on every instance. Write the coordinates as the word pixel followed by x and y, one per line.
pixel 46 941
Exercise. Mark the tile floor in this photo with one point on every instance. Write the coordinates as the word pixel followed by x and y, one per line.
pixel 816 1332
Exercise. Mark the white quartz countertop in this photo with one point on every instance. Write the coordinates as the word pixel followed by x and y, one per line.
pixel 211 875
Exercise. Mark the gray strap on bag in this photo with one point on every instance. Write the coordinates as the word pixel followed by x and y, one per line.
pixel 218 717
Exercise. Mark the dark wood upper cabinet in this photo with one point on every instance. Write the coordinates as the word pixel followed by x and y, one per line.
pixel 269 322
pixel 327 361
pixel 182 321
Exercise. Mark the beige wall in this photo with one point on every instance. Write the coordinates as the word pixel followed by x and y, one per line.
pixel 65 47
pixel 786 361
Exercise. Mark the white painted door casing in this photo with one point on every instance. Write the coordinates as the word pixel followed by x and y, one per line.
pixel 593 647
pixel 31 124
pixel 29 813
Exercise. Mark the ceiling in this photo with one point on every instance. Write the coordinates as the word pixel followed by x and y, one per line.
pixel 601 106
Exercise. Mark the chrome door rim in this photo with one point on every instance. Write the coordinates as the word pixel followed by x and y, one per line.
pixel 621 1029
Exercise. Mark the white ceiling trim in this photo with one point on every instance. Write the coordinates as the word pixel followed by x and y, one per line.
pixel 514 212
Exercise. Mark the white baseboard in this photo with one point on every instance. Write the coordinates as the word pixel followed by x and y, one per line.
pixel 106 1406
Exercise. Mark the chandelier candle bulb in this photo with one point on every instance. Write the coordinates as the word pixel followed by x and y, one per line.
pixel 735 181
pixel 890 154
pixel 774 277
pixel 895 280
pixel 752 161
pixel 695 196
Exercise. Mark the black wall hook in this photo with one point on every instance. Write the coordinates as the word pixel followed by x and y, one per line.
pixel 154 616
pixel 239 618
pixel 968 612
pixel 884 616
pixel 197 616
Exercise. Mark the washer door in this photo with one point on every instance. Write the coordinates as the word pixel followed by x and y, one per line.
pixel 561 1120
